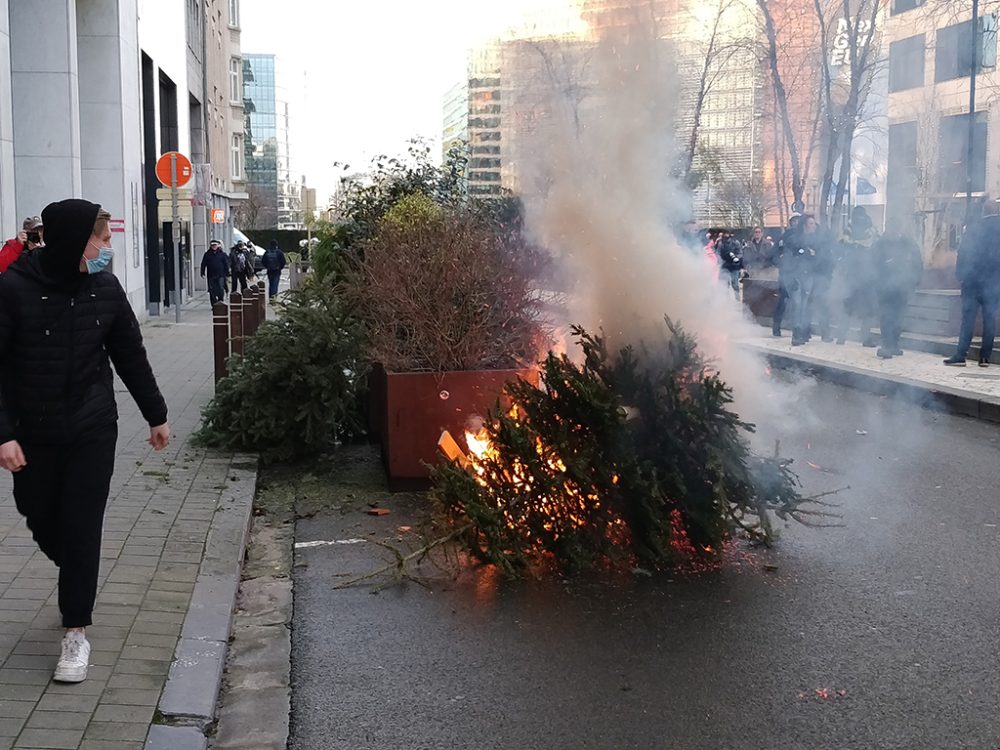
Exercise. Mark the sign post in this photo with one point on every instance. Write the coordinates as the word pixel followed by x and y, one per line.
pixel 174 170
pixel 175 223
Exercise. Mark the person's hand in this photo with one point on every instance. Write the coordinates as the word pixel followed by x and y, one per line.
pixel 12 457
pixel 159 437
pixel 22 236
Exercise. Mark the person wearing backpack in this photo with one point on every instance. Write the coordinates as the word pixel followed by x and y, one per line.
pixel 238 267
pixel 274 263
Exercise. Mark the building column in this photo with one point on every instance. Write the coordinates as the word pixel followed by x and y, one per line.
pixel 110 127
pixel 46 102
pixel 9 223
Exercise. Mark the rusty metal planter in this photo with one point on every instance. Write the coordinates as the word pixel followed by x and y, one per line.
pixel 415 407
pixel 760 296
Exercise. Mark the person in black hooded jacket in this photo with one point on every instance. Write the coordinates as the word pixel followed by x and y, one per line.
pixel 63 324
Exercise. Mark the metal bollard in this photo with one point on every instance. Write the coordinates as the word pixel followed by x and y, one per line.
pixel 236 324
pixel 220 338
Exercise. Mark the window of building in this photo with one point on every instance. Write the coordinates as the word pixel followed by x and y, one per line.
pixel 235 84
pixel 901 6
pixel 234 13
pixel 903 155
pixel 195 27
pixel 954 151
pixel 906 63
pixel 953 58
pixel 236 156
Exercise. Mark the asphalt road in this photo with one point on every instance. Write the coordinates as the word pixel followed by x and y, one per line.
pixel 893 617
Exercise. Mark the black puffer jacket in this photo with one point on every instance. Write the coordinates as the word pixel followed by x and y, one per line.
pixel 60 330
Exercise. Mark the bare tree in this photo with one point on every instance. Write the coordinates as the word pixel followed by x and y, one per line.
pixel 247 213
pixel 861 44
pixel 716 55
pixel 781 101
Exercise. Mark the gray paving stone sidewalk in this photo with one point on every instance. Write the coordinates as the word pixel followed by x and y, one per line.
pixel 158 517
pixel 913 368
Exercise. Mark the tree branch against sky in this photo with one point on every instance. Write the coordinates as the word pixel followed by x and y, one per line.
pixel 716 53
pixel 781 100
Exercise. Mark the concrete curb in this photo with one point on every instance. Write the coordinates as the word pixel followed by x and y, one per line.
pixel 927 395
pixel 188 703
pixel 255 707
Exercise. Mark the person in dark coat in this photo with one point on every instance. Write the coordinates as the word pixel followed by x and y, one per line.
pixel 215 265
pixel 898 269
pixel 63 323
pixel 729 251
pixel 238 267
pixel 780 257
pixel 800 276
pixel 978 271
pixel 274 262
pixel 824 267
pixel 855 290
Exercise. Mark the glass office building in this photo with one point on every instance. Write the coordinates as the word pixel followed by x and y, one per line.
pixel 272 188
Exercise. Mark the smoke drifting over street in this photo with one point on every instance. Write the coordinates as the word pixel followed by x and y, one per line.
pixel 595 177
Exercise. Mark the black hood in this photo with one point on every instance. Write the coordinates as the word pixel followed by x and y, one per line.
pixel 68 226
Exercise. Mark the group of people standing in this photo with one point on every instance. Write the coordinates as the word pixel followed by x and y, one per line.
pixel 238 268
pixel 828 283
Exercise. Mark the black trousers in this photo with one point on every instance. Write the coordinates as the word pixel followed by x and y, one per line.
pixel 239 279
pixel 976 296
pixel 62 492
pixel 217 289
pixel 892 309
pixel 779 309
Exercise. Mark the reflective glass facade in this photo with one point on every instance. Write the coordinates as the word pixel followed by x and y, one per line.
pixel 263 139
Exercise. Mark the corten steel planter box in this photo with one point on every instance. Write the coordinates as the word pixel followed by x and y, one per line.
pixel 419 406
pixel 760 296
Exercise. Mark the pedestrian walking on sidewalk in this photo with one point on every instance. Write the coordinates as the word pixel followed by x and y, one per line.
pixel 238 267
pixel 215 265
pixel 274 263
pixel 978 271
pixel 63 324
pixel 898 268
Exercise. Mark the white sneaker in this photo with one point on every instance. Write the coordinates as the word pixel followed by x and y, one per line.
pixel 75 658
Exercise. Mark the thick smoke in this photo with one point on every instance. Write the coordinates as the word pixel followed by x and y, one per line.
pixel 595 176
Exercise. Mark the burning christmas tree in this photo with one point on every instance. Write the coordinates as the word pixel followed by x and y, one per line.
pixel 631 458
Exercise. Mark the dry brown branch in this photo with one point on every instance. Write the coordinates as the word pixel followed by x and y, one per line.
pixel 398 569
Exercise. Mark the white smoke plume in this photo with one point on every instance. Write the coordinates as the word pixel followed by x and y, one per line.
pixel 594 168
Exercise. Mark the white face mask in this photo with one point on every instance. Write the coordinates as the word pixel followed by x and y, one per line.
pixel 102 261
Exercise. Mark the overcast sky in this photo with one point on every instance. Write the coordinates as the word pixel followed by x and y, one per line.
pixel 364 76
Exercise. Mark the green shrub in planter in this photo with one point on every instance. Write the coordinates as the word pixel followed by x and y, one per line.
pixel 298 388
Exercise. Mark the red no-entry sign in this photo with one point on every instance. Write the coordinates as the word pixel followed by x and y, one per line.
pixel 183 169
